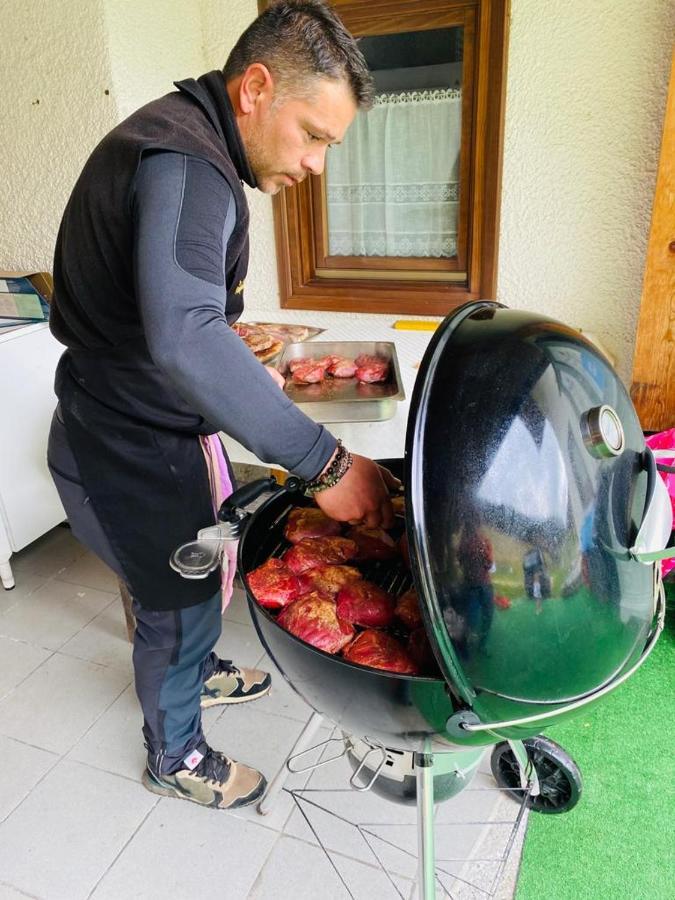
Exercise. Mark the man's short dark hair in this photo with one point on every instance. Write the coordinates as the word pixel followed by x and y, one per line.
pixel 299 40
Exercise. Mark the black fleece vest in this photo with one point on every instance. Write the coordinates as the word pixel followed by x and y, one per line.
pixel 94 303
pixel 133 437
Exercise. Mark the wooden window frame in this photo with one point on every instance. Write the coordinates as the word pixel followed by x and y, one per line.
pixel 310 279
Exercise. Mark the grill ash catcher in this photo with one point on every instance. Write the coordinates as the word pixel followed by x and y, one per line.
pixel 520 437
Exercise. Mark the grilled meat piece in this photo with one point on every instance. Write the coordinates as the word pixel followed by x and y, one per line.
pixel 364 603
pixel 309 522
pixel 373 543
pixel 328 580
pixel 274 585
pixel 313 552
pixel 408 610
pixel 313 619
pixel 380 651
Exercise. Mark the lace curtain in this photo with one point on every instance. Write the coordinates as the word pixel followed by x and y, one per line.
pixel 393 185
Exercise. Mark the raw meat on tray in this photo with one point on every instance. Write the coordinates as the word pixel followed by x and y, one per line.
pixel 313 552
pixel 342 367
pixel 309 373
pixel 309 522
pixel 381 651
pixel 313 619
pixel 364 603
pixel 371 368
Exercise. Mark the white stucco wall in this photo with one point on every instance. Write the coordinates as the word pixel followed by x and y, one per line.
pixel 586 92
pixel 151 44
pixel 54 71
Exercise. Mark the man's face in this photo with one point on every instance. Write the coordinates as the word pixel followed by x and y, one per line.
pixel 287 140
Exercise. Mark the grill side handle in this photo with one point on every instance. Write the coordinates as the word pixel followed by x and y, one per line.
pixel 233 509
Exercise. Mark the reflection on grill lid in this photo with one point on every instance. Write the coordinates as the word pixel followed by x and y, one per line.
pixel 525 487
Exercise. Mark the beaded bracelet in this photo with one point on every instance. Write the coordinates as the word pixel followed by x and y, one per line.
pixel 338 468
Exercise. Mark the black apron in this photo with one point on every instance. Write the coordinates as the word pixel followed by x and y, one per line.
pixel 147 482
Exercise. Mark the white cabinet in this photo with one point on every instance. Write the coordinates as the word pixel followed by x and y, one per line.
pixel 29 503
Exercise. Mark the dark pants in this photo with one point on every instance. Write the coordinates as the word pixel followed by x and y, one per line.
pixel 173 650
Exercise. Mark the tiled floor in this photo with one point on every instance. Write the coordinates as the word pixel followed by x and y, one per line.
pixel 76 823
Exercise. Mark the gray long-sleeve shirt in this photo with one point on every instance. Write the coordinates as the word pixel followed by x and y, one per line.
pixel 184 215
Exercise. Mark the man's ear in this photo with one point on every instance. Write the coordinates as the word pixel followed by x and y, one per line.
pixel 256 86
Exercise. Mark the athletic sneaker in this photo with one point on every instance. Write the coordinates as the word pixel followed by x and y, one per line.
pixel 209 778
pixel 228 684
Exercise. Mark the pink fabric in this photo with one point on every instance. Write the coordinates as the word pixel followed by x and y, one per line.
pixel 221 488
pixel 219 475
pixel 665 440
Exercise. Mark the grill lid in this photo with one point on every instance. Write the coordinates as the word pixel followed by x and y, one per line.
pixel 525 489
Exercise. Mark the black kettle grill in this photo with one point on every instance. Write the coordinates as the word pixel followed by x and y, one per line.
pixel 520 436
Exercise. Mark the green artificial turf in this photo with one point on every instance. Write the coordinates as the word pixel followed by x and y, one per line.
pixel 617 843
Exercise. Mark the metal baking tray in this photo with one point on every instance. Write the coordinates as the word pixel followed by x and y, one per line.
pixel 344 399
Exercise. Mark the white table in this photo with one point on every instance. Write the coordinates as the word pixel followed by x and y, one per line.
pixel 374 439
pixel 29 503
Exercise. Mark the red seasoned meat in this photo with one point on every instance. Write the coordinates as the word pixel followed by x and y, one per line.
pixel 398 503
pixel 373 543
pixel 328 580
pixel 381 651
pixel 342 367
pixel 309 522
pixel 366 604
pixel 408 610
pixel 294 364
pixel 419 650
pixel 313 619
pixel 371 368
pixel 310 373
pixel 273 584
pixel 313 552
pixel 404 548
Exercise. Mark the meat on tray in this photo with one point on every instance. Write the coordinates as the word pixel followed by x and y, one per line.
pixel 312 552
pixel 408 610
pixel 309 373
pixel 364 603
pixel 329 579
pixel 341 367
pixel 274 585
pixel 366 368
pixel 373 543
pixel 381 651
pixel 371 368
pixel 309 522
pixel 313 619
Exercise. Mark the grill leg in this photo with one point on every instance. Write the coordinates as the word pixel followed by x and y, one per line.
pixel 276 785
pixel 424 767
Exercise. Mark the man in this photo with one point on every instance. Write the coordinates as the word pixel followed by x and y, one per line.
pixel 149 270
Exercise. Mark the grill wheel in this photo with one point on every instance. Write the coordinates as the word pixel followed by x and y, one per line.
pixel 559 777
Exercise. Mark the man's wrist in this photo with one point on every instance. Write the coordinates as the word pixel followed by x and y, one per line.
pixel 333 472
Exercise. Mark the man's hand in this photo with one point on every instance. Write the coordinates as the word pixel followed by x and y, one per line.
pixel 360 497
pixel 276 377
